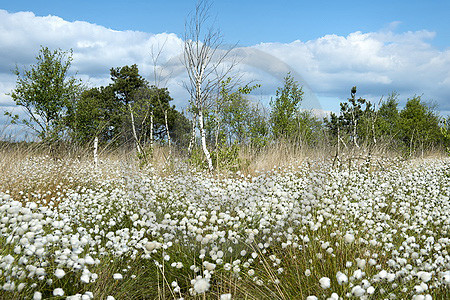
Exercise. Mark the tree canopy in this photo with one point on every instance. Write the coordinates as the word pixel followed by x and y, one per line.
pixel 47 93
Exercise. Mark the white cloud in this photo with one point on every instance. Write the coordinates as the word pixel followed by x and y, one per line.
pixel 95 48
pixel 377 62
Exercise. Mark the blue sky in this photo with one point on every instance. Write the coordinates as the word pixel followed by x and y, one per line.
pixel 329 46
pixel 251 22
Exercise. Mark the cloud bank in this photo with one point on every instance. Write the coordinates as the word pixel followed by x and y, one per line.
pixel 376 62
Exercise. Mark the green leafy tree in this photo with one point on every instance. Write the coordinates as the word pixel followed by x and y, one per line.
pixel 445 130
pixel 92 116
pixel 47 94
pixel 237 113
pixel 285 109
pixel 352 114
pixel 309 129
pixel 349 123
pixel 126 82
pixel 150 100
pixel 106 111
pixel 419 125
pixel 387 123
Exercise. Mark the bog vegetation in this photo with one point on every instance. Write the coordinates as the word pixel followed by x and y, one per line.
pixel 317 229
pixel 226 200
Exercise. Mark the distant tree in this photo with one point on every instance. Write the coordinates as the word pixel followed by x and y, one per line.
pixel 126 81
pixel 47 93
pixel 152 101
pixel 122 111
pixel 92 117
pixel 285 109
pixel 237 114
pixel 352 115
pixel 387 123
pixel 419 125
pixel 309 128
pixel 445 130
pixel 180 129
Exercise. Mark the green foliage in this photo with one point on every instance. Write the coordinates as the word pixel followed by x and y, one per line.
pixel 224 158
pixel 285 108
pixel 47 94
pixel 419 125
pixel 445 131
pixel 388 118
pixel 309 130
pixel 354 121
pixel 235 118
pixel 126 81
pixel 91 116
pixel 416 127
pixel 227 158
pixel 105 111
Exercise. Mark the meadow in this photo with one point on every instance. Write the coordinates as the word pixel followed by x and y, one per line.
pixel 376 228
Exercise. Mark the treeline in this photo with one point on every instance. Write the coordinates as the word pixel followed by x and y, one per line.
pixel 410 131
pixel 132 112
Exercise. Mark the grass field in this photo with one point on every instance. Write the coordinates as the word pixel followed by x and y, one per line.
pixel 362 229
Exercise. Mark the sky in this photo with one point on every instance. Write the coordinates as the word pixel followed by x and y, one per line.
pixel 329 46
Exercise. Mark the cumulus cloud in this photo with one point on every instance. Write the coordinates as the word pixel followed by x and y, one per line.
pixel 377 62
pixel 95 48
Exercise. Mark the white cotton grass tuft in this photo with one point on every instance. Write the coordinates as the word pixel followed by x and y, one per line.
pixel 117 276
pixel 201 285
pixel 341 278
pixel 225 297
pixel 85 278
pixel 59 273
pixel 150 246
pixel 58 292
pixel 424 276
pixel 325 282
pixel 333 296
pixel 349 238
pixel 358 291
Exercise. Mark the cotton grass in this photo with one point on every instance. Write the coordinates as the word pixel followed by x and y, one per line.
pixel 308 231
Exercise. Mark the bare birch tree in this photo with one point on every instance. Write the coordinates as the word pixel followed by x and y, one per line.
pixel 157 81
pixel 203 59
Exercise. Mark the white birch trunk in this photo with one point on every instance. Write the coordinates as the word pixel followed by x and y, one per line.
pixel 138 146
pixel 151 132
pixel 168 133
pixel 338 140
pixel 95 152
pixel 203 137
pixel 192 139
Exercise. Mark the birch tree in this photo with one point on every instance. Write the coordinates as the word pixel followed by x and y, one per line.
pixel 47 94
pixel 203 58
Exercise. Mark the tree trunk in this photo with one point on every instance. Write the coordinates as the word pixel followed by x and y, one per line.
pixel 203 137
pixel 136 140
pixel 217 143
pixel 338 142
pixel 151 133
pixel 192 140
pixel 354 133
pixel 168 133
pixel 411 144
pixel 95 152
